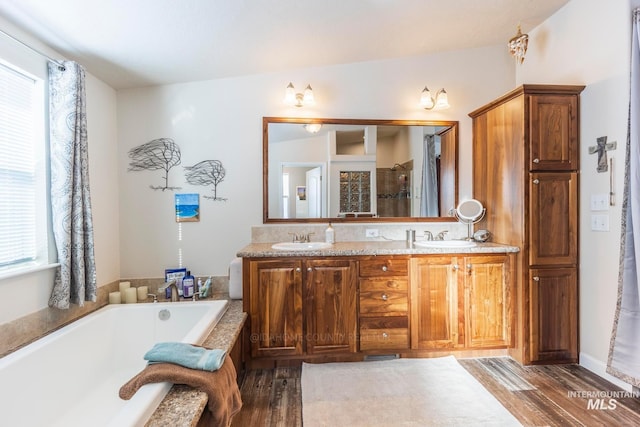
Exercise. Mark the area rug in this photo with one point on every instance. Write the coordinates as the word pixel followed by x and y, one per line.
pixel 398 392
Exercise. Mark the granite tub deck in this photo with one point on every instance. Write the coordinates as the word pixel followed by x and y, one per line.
pixel 183 405
pixel 264 250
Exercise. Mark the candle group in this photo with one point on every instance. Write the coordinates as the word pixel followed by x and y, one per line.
pixel 128 295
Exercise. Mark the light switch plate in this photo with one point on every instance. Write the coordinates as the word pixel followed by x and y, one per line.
pixel 599 202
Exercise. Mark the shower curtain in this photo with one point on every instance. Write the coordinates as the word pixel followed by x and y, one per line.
pixel 75 280
pixel 429 190
pixel 624 350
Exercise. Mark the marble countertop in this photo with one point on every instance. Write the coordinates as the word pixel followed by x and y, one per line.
pixel 183 405
pixel 394 247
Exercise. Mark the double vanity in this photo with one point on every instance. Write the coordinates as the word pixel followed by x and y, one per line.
pixel 348 300
pixel 312 301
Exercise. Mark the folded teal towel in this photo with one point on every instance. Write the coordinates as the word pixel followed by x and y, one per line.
pixel 187 355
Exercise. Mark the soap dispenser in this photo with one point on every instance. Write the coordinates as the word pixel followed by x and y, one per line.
pixel 330 235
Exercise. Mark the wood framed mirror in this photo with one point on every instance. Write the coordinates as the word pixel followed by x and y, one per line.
pixel 344 170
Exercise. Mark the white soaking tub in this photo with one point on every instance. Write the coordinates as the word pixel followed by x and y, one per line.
pixel 72 376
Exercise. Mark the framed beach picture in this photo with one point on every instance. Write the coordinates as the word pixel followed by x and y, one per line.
pixel 187 207
pixel 301 192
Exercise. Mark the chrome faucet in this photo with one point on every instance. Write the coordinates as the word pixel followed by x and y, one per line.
pixel 428 235
pixel 174 289
pixel 301 237
pixel 440 235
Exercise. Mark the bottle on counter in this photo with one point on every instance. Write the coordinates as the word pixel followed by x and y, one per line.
pixel 188 285
pixel 330 235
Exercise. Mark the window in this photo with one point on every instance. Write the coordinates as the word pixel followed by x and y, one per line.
pixel 23 211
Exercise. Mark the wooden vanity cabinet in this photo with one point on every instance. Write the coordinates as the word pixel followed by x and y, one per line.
pixel 383 313
pixel 300 307
pixel 275 307
pixel 461 302
pixel 525 171
pixel 330 288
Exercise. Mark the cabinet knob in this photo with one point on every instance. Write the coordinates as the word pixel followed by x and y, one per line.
pixel 385 335
pixel 309 269
pixel 298 270
pixel 384 268
pixel 384 297
pixel 536 160
pixel 536 278
pixel 469 266
pixel 536 181
pixel 455 267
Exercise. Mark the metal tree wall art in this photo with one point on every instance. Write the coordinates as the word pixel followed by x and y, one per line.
pixel 207 172
pixel 161 153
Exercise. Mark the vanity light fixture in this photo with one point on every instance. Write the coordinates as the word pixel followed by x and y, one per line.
pixel 313 127
pixel 518 45
pixel 428 102
pixel 291 98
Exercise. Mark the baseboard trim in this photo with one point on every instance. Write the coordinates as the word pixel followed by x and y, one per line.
pixel 600 368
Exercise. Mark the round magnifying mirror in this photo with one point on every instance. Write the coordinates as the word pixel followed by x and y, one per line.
pixel 470 210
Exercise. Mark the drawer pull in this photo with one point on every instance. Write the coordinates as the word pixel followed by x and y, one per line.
pixel 536 279
pixel 536 181
pixel 309 269
pixel 536 160
pixel 455 267
pixel 298 270
pixel 384 297
pixel 385 335
pixel 384 268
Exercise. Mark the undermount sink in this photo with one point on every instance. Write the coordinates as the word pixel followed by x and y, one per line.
pixel 298 246
pixel 445 244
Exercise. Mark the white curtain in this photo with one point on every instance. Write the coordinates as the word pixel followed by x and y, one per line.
pixel 75 280
pixel 429 190
pixel 624 349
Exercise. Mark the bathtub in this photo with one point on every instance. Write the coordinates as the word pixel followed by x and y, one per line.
pixel 72 376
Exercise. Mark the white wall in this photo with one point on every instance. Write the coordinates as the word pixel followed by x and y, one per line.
pixel 29 293
pixel 588 42
pixel 221 119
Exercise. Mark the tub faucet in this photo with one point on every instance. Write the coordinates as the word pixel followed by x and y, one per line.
pixel 171 284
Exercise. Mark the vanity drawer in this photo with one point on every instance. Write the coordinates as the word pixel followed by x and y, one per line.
pixel 384 297
pixel 384 267
pixel 383 333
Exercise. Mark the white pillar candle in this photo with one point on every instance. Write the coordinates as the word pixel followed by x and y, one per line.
pixel 115 298
pixel 130 295
pixel 142 293
pixel 123 286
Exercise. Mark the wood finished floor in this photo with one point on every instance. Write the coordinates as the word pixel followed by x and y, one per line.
pixel 535 395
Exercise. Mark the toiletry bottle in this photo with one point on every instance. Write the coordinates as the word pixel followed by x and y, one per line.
pixel 199 286
pixel 188 284
pixel 330 235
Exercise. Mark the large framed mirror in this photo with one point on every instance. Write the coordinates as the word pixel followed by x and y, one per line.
pixel 342 170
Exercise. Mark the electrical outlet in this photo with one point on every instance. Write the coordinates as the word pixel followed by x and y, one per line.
pixel 371 232
pixel 600 222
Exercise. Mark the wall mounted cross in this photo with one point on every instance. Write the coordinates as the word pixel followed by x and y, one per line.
pixel 601 148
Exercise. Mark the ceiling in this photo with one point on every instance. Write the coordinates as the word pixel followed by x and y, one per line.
pixel 133 43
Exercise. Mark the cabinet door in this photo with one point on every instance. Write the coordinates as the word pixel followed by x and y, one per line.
pixel 554 219
pixel 435 323
pixel 330 306
pixel 276 308
pixel 488 310
pixel 554 315
pixel 553 132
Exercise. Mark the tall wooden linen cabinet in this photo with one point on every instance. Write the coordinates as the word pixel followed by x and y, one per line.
pixel 525 172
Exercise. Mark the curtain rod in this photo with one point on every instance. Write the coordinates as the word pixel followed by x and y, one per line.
pixel 55 61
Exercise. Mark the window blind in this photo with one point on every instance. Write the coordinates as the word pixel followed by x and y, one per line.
pixel 18 186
